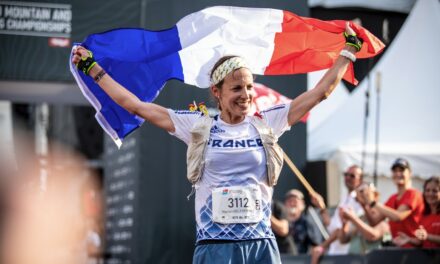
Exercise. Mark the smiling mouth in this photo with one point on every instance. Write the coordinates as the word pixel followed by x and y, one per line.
pixel 243 104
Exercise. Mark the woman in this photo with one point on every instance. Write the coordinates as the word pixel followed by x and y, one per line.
pixel 233 159
pixel 428 233
pixel 403 209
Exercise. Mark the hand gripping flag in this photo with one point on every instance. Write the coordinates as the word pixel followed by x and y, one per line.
pixel 272 41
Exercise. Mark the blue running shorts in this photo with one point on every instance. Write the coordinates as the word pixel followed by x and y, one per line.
pixel 263 251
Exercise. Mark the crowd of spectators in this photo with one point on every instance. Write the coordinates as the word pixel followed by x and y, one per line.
pixel 360 222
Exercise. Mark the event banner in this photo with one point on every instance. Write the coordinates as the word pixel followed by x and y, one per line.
pixel 36 36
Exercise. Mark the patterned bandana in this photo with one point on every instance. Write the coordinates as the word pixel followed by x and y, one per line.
pixel 227 67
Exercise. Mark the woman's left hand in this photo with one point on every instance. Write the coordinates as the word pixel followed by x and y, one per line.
pixel 348 29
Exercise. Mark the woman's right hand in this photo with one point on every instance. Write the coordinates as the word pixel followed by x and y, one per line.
pixel 78 53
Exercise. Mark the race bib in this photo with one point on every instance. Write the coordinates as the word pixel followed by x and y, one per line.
pixel 236 204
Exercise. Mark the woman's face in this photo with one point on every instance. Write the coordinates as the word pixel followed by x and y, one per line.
pixel 235 96
pixel 432 193
pixel 401 176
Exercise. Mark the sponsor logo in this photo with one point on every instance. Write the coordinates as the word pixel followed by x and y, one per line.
pixel 225 191
pixel 59 42
pixel 215 129
pixel 186 112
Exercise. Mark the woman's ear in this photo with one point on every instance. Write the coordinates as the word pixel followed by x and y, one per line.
pixel 215 91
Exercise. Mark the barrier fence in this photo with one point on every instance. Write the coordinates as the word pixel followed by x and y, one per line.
pixel 385 255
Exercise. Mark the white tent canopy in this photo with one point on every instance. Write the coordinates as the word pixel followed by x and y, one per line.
pixel 403 6
pixel 409 101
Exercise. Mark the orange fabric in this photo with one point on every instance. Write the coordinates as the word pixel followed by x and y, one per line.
pixel 308 44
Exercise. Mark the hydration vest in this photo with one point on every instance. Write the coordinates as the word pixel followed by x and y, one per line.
pixel 195 156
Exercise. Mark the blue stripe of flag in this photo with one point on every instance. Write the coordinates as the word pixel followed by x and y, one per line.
pixel 140 60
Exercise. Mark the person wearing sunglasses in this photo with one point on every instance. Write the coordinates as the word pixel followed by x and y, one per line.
pixel 352 179
pixel 403 209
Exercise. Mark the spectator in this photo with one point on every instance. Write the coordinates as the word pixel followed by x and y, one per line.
pixel 303 230
pixel 352 179
pixel 280 228
pixel 403 209
pixel 356 230
pixel 428 233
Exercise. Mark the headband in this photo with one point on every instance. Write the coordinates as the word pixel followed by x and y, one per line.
pixel 227 67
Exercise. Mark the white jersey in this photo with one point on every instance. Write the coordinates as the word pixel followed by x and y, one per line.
pixel 337 248
pixel 234 158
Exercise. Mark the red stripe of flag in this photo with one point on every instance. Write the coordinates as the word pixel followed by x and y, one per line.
pixel 308 44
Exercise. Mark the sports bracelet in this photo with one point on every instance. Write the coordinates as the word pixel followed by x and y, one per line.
pixel 99 76
pixel 347 54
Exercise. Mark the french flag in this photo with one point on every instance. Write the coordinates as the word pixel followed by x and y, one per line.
pixel 273 42
pixel 265 97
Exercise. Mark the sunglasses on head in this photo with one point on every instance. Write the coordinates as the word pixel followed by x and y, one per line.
pixel 351 175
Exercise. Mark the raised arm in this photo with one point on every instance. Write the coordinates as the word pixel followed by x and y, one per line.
pixel 370 233
pixel 153 113
pixel 306 101
pixel 402 212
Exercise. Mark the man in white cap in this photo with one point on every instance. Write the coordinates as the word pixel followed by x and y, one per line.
pixel 304 231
